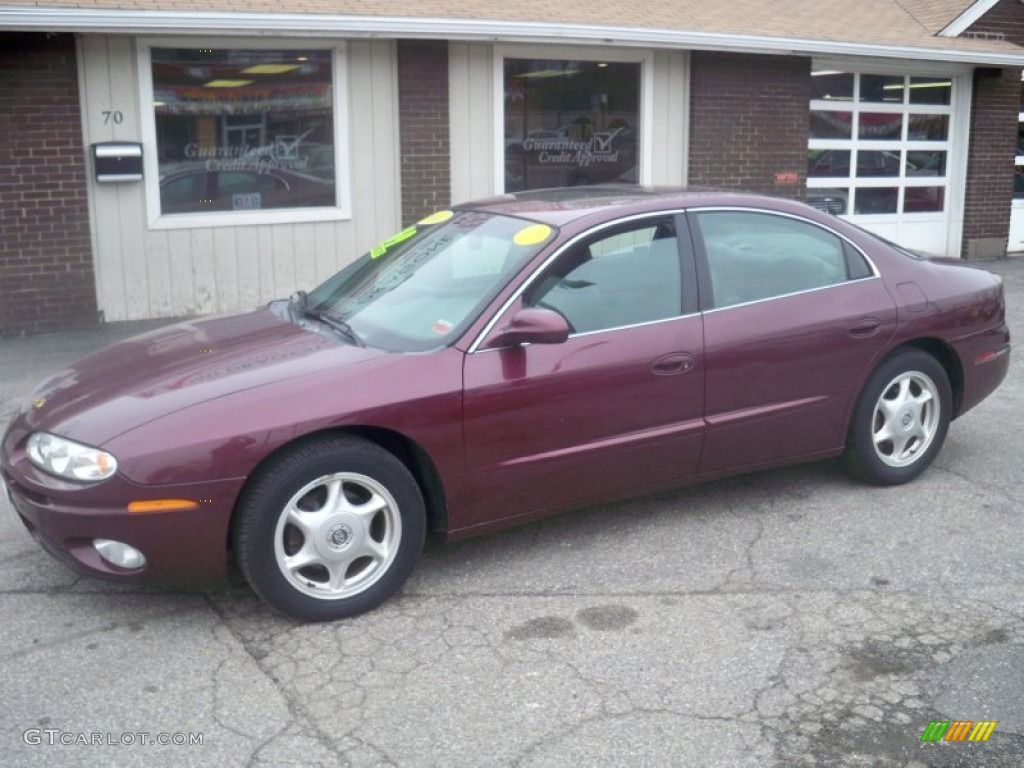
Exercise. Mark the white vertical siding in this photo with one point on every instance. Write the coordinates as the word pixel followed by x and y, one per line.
pixel 247 264
pixel 471 109
pixel 670 134
pixel 143 272
pixel 179 265
pixel 100 94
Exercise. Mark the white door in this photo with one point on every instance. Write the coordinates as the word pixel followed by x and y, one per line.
pixel 884 152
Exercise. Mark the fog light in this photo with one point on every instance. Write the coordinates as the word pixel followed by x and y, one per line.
pixel 118 553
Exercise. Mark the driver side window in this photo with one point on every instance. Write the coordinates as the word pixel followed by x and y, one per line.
pixel 625 276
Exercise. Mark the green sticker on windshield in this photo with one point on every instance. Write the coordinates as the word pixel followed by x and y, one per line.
pixel 531 235
pixel 436 218
pixel 381 249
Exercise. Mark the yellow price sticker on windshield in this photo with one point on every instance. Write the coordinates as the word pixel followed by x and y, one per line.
pixel 533 234
pixel 436 218
pixel 381 249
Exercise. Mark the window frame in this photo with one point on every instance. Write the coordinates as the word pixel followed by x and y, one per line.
pixel 645 58
pixel 688 274
pixel 595 239
pixel 704 268
pixel 341 210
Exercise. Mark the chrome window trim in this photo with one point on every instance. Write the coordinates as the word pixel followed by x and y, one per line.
pixel 793 293
pixel 475 346
pixel 875 274
pixel 604 330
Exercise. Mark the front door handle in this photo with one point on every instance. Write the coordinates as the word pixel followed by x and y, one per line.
pixel 673 363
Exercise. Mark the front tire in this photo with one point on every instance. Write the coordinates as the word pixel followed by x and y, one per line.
pixel 901 419
pixel 331 528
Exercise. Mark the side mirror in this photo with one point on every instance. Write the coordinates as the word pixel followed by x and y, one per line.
pixel 531 326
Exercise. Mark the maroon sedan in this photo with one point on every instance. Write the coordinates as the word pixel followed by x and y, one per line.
pixel 492 364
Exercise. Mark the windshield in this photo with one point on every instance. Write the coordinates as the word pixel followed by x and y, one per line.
pixel 421 288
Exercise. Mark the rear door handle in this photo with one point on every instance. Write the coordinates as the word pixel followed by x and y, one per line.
pixel 673 363
pixel 865 327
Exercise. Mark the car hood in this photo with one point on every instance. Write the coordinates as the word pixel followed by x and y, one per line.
pixel 143 378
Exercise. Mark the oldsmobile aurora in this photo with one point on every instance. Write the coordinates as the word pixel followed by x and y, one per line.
pixel 497 362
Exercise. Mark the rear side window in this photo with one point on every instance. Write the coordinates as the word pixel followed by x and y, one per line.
pixel 753 256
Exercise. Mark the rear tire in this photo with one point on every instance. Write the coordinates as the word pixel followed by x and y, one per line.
pixel 901 418
pixel 331 528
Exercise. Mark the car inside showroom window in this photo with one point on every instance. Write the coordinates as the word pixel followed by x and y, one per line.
pixel 244 129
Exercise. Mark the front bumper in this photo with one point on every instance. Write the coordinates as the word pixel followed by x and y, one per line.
pixel 181 547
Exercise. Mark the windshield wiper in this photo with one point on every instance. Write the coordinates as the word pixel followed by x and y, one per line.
pixel 299 300
pixel 339 325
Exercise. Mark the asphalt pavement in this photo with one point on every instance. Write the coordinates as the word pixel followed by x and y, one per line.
pixel 787 618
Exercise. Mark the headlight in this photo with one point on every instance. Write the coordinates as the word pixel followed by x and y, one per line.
pixel 69 459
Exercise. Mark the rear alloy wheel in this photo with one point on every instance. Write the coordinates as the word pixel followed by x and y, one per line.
pixel 901 419
pixel 330 529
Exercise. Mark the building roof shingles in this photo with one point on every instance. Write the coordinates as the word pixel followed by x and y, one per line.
pixel 907 23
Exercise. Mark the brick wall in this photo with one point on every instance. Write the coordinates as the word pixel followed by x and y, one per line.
pixel 990 182
pixel 423 112
pixel 994 107
pixel 46 272
pixel 749 121
pixel 1006 19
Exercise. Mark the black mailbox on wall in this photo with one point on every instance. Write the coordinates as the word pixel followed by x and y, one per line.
pixel 117 161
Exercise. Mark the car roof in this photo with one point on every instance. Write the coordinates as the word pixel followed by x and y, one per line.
pixel 564 205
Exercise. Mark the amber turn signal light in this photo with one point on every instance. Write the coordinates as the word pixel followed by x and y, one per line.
pixel 161 505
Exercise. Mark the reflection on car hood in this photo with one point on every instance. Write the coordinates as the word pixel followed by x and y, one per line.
pixel 149 376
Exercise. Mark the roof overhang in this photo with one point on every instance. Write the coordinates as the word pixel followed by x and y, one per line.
pixel 155 22
pixel 968 17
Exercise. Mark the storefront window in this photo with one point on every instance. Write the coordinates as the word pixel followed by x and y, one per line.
pixel 570 122
pixel 243 130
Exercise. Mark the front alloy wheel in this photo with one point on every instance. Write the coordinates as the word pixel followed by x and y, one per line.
pixel 337 535
pixel 329 528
